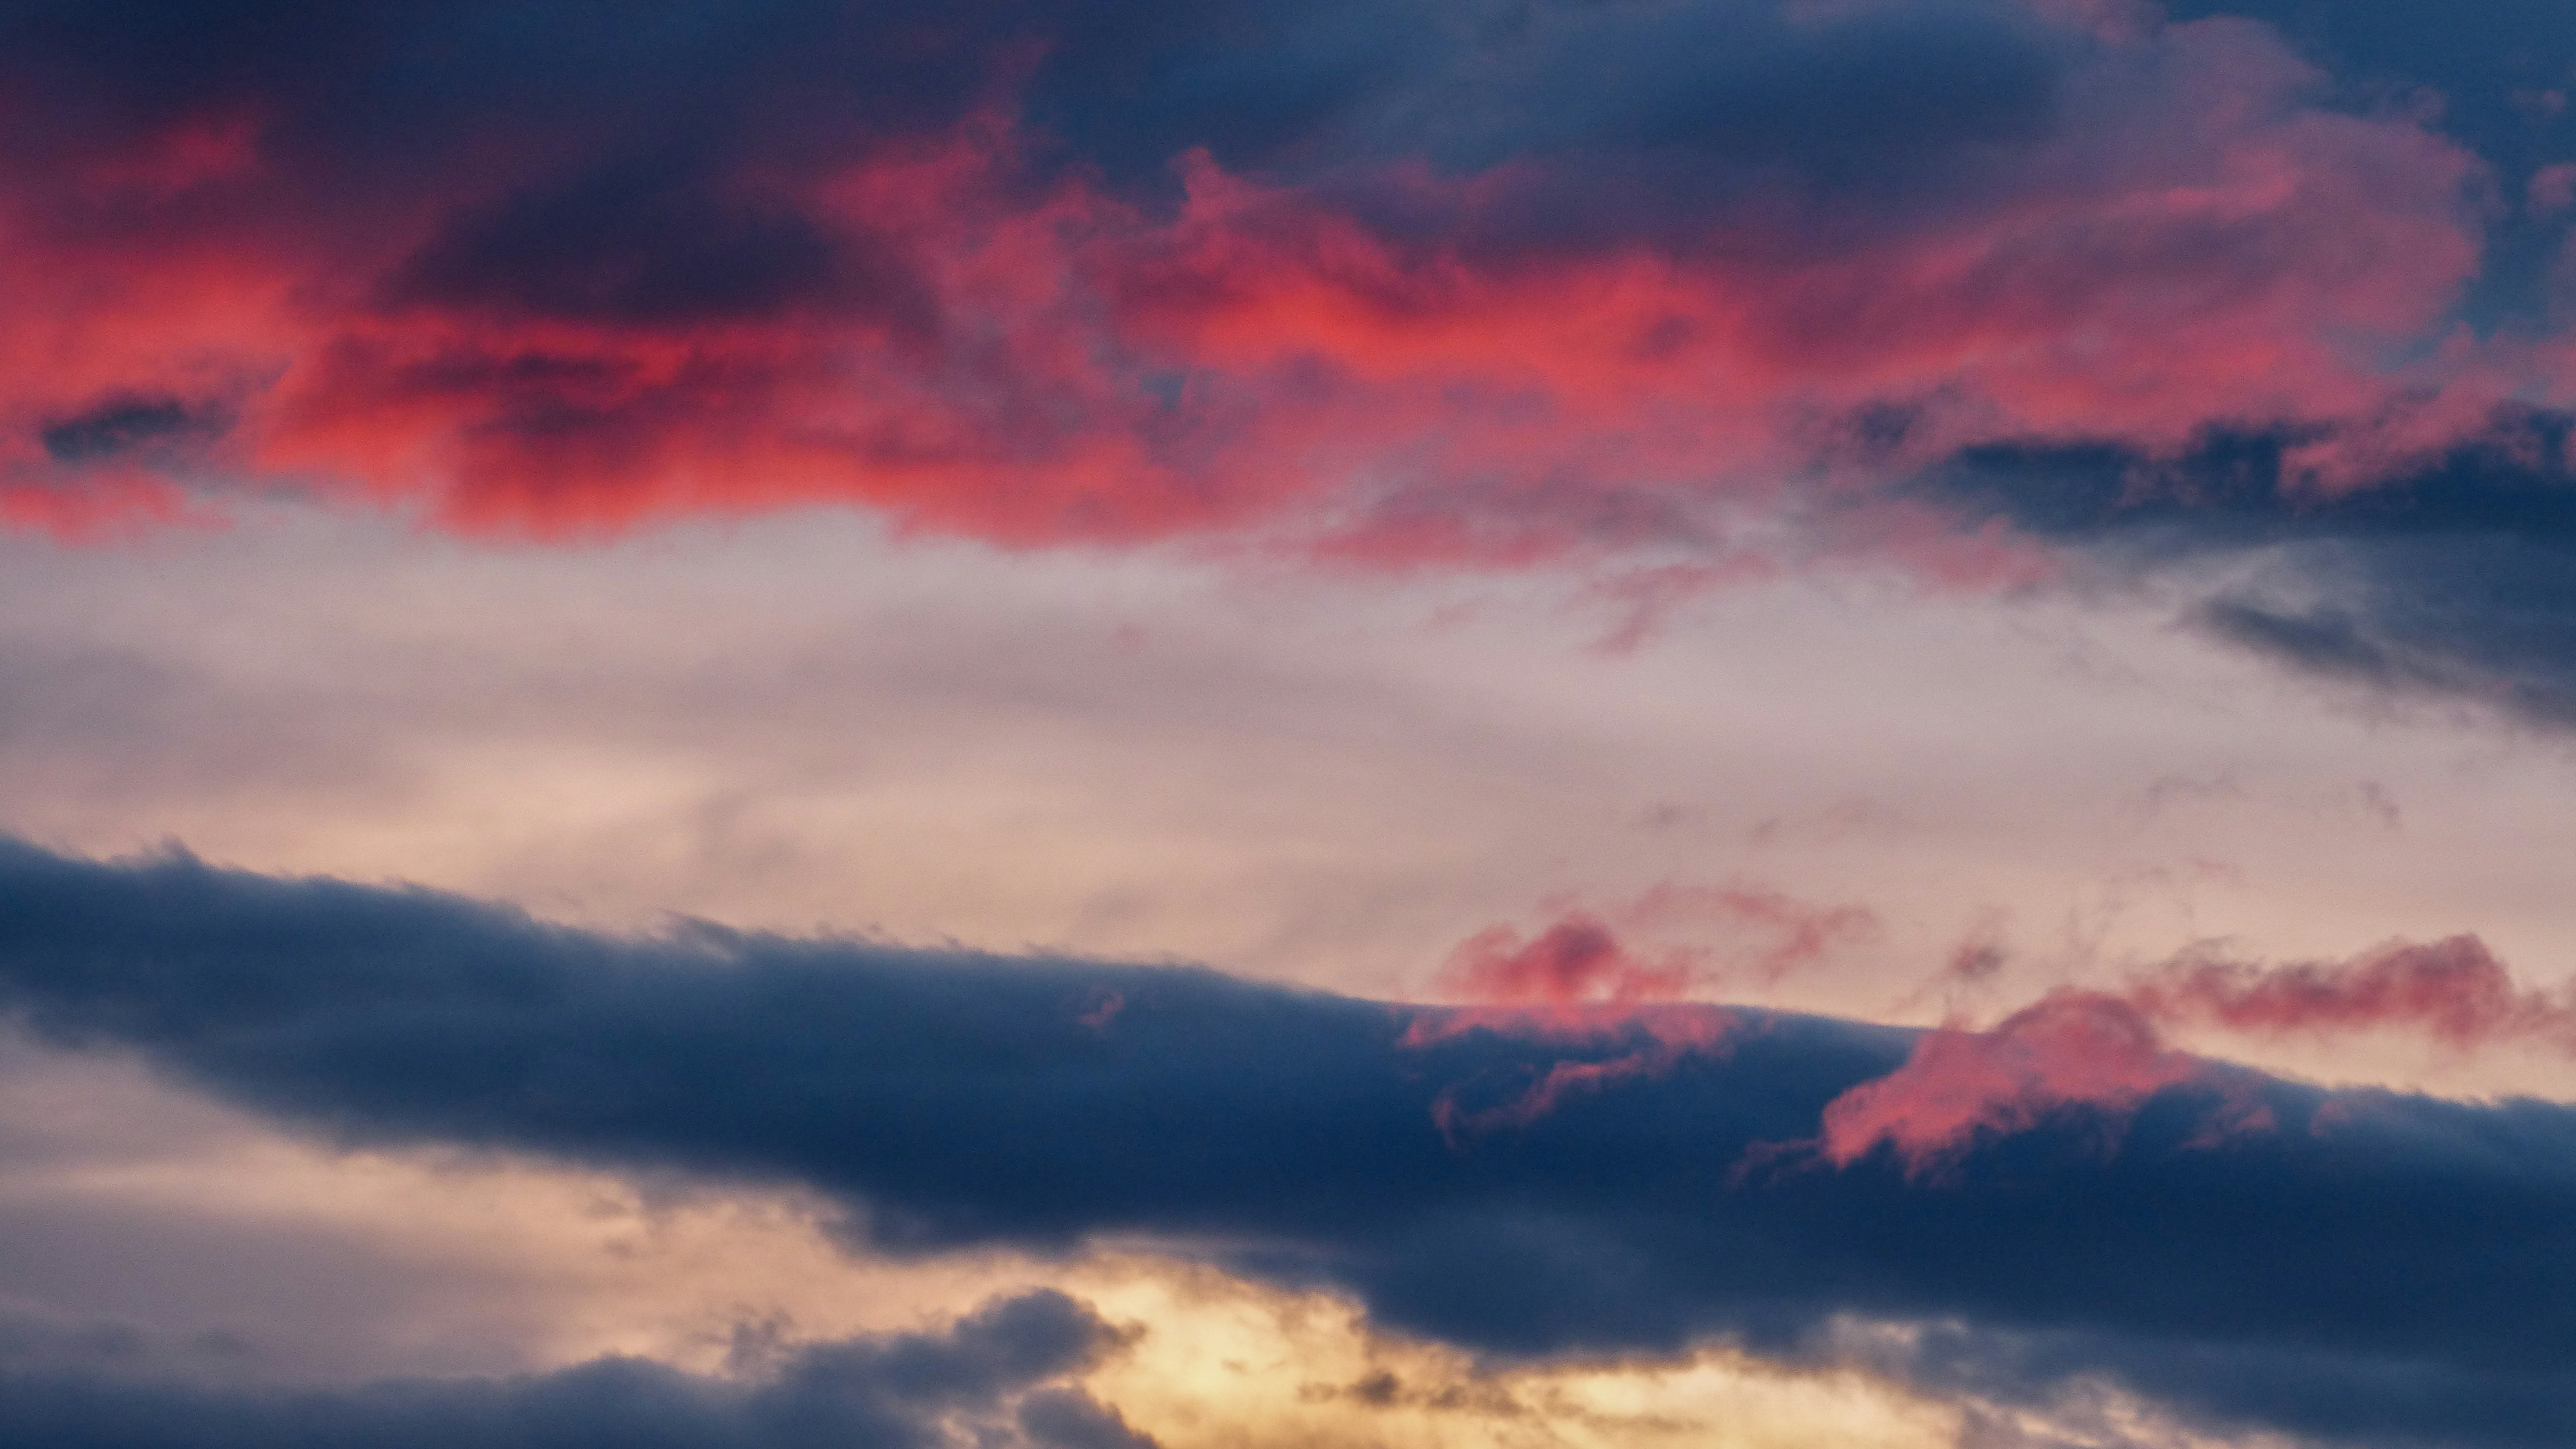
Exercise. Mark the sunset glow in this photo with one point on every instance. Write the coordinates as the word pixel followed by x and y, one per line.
pixel 1408 724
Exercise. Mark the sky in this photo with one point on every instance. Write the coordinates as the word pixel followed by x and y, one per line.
pixel 1374 724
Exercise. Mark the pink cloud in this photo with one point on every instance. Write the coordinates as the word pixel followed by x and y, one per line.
pixel 1584 974
pixel 1575 984
pixel 1575 961
pixel 1574 981
pixel 2105 1051
pixel 2071 1049
pixel 1579 982
pixel 2453 990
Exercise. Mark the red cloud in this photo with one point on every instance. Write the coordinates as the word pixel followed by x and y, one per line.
pixel 2198 248
pixel 1385 364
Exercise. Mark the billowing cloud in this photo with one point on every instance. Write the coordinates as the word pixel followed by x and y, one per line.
pixel 950 1099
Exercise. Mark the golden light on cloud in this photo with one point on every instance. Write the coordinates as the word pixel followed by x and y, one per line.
pixel 482 1263
pixel 1224 1362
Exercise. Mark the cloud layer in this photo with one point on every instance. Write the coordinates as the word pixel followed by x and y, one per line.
pixel 1420 280
pixel 950 1099
pixel 1684 292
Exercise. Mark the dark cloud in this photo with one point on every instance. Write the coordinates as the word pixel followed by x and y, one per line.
pixel 2455 580
pixel 1630 123
pixel 2335 642
pixel 1070 1419
pixel 2448 577
pixel 2242 488
pixel 2367 1251
pixel 125 424
pixel 1627 121
pixel 403 104
pixel 983 1383
pixel 2336 1398
pixel 35 1343
pixel 2488 620
pixel 413 80
pixel 649 247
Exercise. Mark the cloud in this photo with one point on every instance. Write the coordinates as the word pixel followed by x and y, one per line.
pixel 1395 281
pixel 1676 294
pixel 1577 960
pixel 2453 990
pixel 1582 960
pixel 2446 582
pixel 122 424
pixel 989 1381
pixel 950 1100
pixel 2069 1050
pixel 1578 981
pixel 2482 619
pixel 2103 1054
pixel 1574 983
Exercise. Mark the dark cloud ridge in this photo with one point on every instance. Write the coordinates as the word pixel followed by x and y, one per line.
pixel 2406 1248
